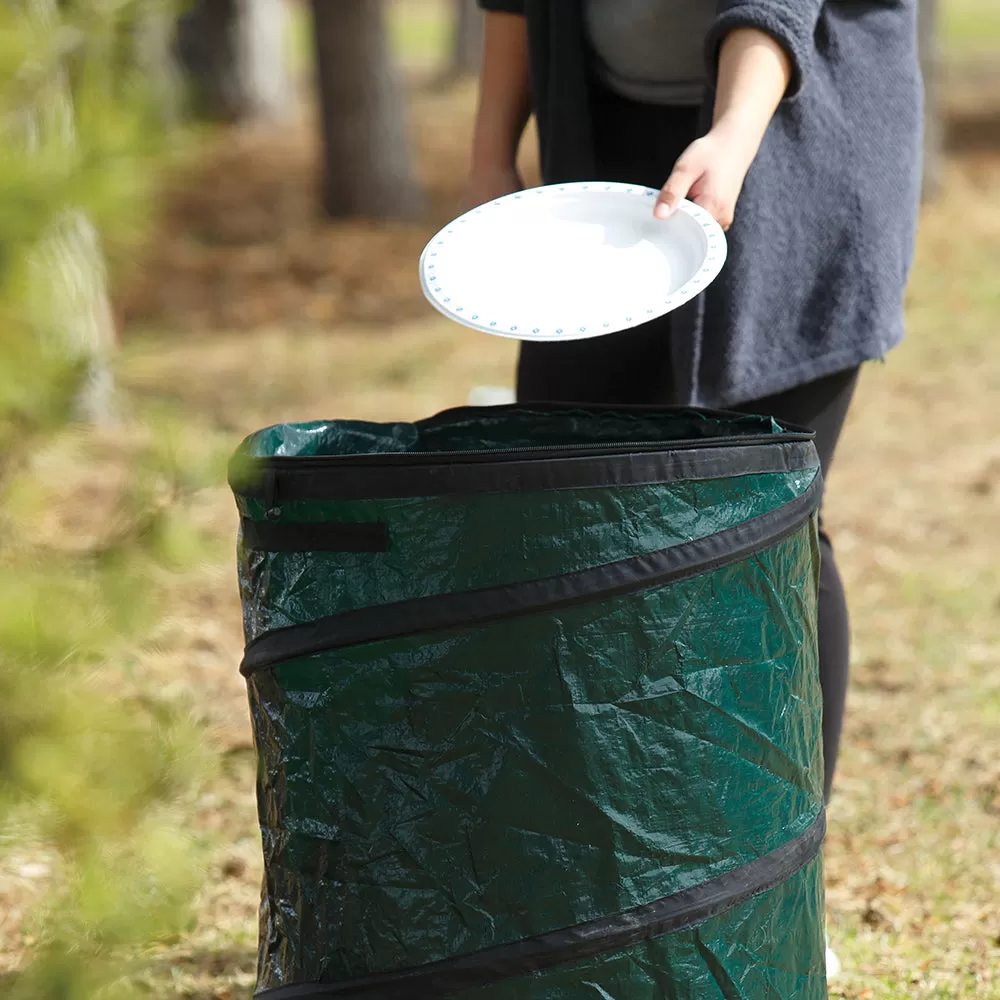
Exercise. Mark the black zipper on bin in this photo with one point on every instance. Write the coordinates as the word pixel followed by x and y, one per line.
pixel 582 450
pixel 320 536
pixel 475 608
pixel 406 474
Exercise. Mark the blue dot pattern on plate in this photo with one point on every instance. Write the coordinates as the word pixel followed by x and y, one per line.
pixel 697 282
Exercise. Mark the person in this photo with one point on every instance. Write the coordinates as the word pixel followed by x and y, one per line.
pixel 797 124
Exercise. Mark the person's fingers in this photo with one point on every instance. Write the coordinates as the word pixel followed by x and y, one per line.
pixel 719 207
pixel 686 173
pixel 711 194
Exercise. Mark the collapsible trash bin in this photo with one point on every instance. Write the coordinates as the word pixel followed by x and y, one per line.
pixel 536 703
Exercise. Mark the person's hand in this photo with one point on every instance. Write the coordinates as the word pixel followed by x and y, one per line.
pixel 488 184
pixel 711 172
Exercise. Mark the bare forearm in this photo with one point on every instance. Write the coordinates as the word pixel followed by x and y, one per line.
pixel 754 73
pixel 504 93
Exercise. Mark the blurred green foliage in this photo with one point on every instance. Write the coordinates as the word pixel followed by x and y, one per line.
pixel 94 770
pixel 970 29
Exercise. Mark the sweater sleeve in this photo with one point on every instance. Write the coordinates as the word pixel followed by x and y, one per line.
pixel 503 6
pixel 790 22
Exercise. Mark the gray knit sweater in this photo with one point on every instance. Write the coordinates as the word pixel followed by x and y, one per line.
pixel 823 239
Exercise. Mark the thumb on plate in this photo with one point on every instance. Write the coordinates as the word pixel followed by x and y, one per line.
pixel 679 183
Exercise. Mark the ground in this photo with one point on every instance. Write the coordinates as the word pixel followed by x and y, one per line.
pixel 329 321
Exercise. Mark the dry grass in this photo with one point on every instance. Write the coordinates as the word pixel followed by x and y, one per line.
pixel 915 506
pixel 913 866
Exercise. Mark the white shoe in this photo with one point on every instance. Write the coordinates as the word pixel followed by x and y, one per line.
pixel 491 395
pixel 832 962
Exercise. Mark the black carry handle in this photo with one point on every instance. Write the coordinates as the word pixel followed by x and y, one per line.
pixel 323 536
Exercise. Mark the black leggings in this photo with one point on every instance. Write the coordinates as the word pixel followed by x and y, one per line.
pixel 638 144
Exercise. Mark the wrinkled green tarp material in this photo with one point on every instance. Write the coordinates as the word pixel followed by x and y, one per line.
pixel 550 729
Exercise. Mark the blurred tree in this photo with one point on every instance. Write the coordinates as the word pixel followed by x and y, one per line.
pixel 367 167
pixel 467 38
pixel 70 305
pixel 930 54
pixel 153 39
pixel 235 54
pixel 91 770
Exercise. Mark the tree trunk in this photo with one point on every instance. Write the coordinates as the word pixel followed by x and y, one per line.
pixel 235 56
pixel 367 167
pixel 73 312
pixel 70 306
pixel 263 60
pixel 467 38
pixel 933 127
pixel 206 49
pixel 154 29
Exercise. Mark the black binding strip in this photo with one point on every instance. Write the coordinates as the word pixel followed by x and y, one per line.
pixel 478 607
pixel 396 476
pixel 457 414
pixel 276 536
pixel 580 942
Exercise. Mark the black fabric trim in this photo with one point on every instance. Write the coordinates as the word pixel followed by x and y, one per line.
pixel 580 942
pixel 477 607
pixel 397 476
pixel 275 536
pixel 547 408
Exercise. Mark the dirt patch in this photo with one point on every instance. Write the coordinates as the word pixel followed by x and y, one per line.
pixel 974 131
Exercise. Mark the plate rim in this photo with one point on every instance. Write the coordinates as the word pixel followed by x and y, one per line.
pixel 707 273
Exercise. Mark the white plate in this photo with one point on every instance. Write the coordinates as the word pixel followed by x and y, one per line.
pixel 570 261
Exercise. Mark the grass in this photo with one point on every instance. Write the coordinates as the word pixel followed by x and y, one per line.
pixel 914 504
pixel 970 28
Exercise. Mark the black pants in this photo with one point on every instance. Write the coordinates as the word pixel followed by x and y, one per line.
pixel 638 144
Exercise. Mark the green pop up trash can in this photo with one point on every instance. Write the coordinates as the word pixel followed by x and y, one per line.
pixel 536 704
